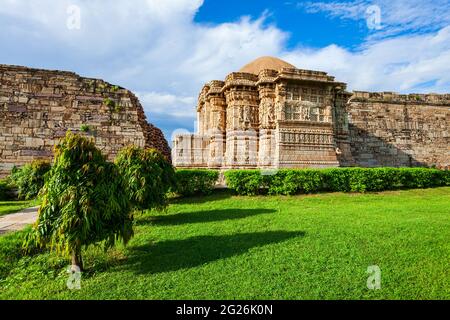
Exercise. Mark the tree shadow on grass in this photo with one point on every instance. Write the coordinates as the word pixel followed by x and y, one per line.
pixel 202 216
pixel 173 255
pixel 217 194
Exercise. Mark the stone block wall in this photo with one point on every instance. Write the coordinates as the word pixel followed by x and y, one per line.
pixel 191 150
pixel 388 129
pixel 37 107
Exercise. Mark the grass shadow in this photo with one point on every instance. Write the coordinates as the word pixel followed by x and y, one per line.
pixel 173 255
pixel 202 216
pixel 217 194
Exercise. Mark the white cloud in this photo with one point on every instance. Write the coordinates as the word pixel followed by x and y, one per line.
pixel 168 104
pixel 419 63
pixel 397 16
pixel 155 48
pixel 148 46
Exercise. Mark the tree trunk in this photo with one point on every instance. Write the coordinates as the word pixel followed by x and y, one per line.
pixel 77 259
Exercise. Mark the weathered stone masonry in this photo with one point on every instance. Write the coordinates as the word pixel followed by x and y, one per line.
pixel 37 107
pixel 389 129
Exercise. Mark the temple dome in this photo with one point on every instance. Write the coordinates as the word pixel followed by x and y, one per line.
pixel 265 63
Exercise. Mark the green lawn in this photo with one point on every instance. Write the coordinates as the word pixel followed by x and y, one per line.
pixel 227 247
pixel 7 207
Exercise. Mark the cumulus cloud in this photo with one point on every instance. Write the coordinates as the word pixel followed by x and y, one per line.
pixel 396 16
pixel 149 46
pixel 164 103
pixel 419 63
pixel 155 48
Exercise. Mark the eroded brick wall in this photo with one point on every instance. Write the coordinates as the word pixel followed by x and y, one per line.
pixel 387 129
pixel 37 107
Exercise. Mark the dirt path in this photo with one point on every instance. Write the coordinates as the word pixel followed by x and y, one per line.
pixel 18 221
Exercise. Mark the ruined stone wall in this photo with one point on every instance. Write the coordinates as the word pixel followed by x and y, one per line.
pixel 37 107
pixel 388 129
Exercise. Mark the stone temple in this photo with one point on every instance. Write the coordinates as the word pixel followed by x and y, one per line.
pixel 270 114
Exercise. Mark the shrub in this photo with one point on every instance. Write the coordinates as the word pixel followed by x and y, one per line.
pixel 245 182
pixel 5 190
pixel 113 105
pixel 85 128
pixel 337 180
pixel 109 103
pixel 446 177
pixel 30 178
pixel 83 201
pixel 423 178
pixel 148 176
pixel 195 181
pixel 288 182
pixel 294 181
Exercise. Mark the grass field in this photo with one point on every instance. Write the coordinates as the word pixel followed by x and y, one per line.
pixel 227 247
pixel 7 207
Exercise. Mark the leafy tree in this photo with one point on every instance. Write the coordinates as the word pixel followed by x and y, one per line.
pixel 30 178
pixel 148 176
pixel 83 201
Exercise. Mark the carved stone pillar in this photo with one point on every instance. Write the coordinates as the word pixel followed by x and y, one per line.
pixel 242 121
pixel 217 127
pixel 267 144
pixel 280 101
pixel 201 111
pixel 206 117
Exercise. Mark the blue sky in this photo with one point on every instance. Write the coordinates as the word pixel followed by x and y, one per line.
pixel 164 51
pixel 305 28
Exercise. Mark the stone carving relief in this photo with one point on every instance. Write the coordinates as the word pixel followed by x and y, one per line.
pixel 267 113
pixel 318 138
pixel 247 116
pixel 307 112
